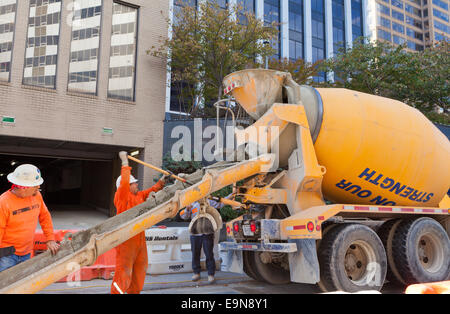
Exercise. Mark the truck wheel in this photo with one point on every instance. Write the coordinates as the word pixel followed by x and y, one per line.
pixel 268 267
pixel 352 258
pixel 325 230
pixel 386 233
pixel 249 268
pixel 422 250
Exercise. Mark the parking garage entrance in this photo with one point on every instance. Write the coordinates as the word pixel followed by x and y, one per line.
pixel 79 178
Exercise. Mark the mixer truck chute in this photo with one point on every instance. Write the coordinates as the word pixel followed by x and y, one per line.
pixel 349 189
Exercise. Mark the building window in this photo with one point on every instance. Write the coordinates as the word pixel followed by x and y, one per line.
pixel 84 51
pixel 178 5
pixel 384 34
pixel 398 28
pixel 247 7
pixel 222 3
pixel 440 37
pixel 442 27
pixel 413 10
pixel 272 15
pixel 357 24
pixel 440 15
pixel 7 23
pixel 398 40
pixel 383 9
pixel 413 34
pixel 397 15
pixel 318 34
pixel 42 43
pixel 397 3
pixel 441 4
pixel 296 30
pixel 178 102
pixel 409 20
pixel 414 46
pixel 338 26
pixel 384 22
pixel 123 52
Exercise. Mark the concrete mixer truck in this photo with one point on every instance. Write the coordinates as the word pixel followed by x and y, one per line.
pixel 338 188
pixel 356 195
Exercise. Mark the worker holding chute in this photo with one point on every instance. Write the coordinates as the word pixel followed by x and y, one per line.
pixel 131 256
pixel 21 208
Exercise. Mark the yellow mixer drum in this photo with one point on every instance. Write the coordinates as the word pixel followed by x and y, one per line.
pixel 376 150
pixel 380 151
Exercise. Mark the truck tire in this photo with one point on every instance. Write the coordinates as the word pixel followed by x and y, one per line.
pixel 272 273
pixel 422 251
pixel 325 229
pixel 352 259
pixel 249 267
pixel 386 233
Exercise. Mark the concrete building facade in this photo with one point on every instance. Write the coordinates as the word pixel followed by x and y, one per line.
pixel 309 29
pixel 418 23
pixel 77 87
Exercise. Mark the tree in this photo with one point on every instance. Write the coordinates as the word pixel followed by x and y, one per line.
pixel 302 72
pixel 210 43
pixel 431 85
pixel 420 79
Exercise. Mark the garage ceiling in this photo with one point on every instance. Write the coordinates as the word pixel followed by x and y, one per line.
pixel 25 146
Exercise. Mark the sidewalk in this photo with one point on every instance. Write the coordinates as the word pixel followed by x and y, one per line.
pixel 177 283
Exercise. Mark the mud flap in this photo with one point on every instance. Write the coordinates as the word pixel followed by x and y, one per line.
pixel 233 261
pixel 304 264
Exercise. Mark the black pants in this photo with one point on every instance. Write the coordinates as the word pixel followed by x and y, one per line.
pixel 207 242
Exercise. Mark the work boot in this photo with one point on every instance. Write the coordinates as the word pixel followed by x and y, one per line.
pixel 196 277
pixel 211 279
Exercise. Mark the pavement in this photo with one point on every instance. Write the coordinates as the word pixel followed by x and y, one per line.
pixel 179 283
pixel 78 218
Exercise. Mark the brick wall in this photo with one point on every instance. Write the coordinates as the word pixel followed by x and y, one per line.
pixel 60 115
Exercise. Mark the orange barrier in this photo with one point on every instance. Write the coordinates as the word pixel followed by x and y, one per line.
pixel 441 287
pixel 39 240
pixel 103 268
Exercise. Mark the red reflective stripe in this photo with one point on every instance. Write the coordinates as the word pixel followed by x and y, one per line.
pixel 321 218
pixel 360 208
pixel 385 209
pixel 428 210
pixel 300 227
pixel 408 210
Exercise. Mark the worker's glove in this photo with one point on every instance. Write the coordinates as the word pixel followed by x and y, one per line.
pixel 164 178
pixel 124 157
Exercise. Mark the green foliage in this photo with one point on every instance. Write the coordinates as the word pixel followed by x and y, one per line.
pixel 180 166
pixel 301 71
pixel 208 45
pixel 420 79
pixel 227 213
pixel 442 118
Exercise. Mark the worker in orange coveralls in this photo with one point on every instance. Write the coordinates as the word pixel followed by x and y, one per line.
pixel 21 208
pixel 131 256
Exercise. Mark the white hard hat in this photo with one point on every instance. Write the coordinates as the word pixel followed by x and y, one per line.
pixel 132 180
pixel 26 175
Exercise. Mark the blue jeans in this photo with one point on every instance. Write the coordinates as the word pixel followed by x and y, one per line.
pixel 12 260
pixel 207 242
